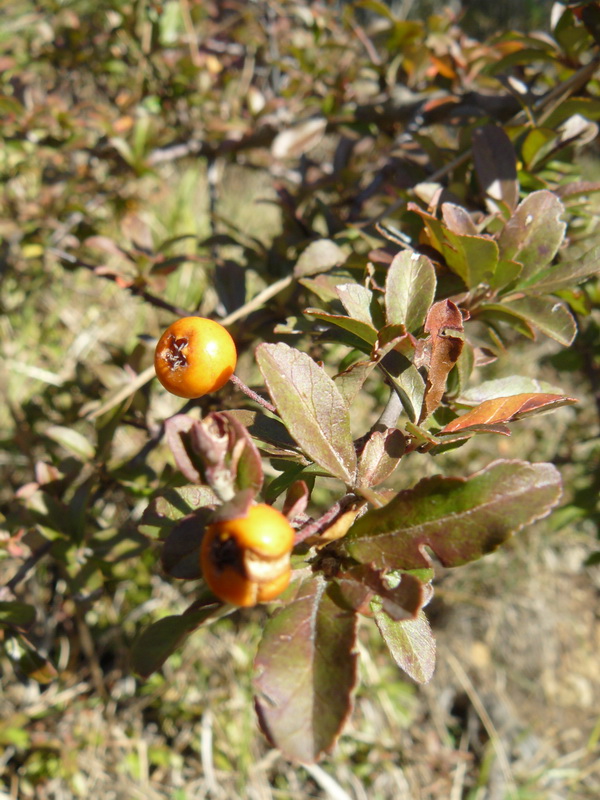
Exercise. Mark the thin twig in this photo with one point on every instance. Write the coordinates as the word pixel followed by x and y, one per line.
pixel 28 565
pixel 252 395
pixel 142 379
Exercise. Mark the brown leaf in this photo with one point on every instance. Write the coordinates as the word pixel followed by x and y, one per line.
pixel 445 326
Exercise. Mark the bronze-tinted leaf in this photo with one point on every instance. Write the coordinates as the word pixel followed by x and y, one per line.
pixel 507 409
pixel 306 673
pixel 380 456
pixel 445 327
pixel 180 554
pixel 460 519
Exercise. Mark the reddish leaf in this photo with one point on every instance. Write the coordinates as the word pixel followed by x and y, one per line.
pixel 306 673
pixel 311 407
pixel 445 326
pixel 185 460
pixel 380 456
pixel 460 519
pixel 508 409
pixel 357 587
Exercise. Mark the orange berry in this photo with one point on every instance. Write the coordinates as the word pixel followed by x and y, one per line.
pixel 194 356
pixel 247 560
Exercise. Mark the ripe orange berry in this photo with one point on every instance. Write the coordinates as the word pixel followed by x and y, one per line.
pixel 247 560
pixel 194 356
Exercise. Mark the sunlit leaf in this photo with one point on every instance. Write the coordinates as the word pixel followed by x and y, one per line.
pixel 534 233
pixel 548 315
pixel 409 290
pixel 311 407
pixel 319 256
pixel 507 409
pixel 411 644
pixel 445 327
pixel 460 519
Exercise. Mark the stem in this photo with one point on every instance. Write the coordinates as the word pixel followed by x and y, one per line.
pixel 316 526
pixel 252 395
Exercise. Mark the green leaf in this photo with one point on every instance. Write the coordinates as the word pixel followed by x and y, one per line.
pixel 164 511
pixel 306 673
pixel 15 614
pixel 362 330
pixel 503 387
pixel 409 290
pixel 564 276
pixel 311 407
pixel 72 441
pixel 473 258
pixel 546 314
pixel 534 233
pixel 159 640
pixel 319 256
pixel 411 644
pixel 358 301
pixel 460 519
pixel 410 387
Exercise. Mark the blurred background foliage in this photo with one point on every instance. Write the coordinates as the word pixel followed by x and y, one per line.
pixel 167 157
